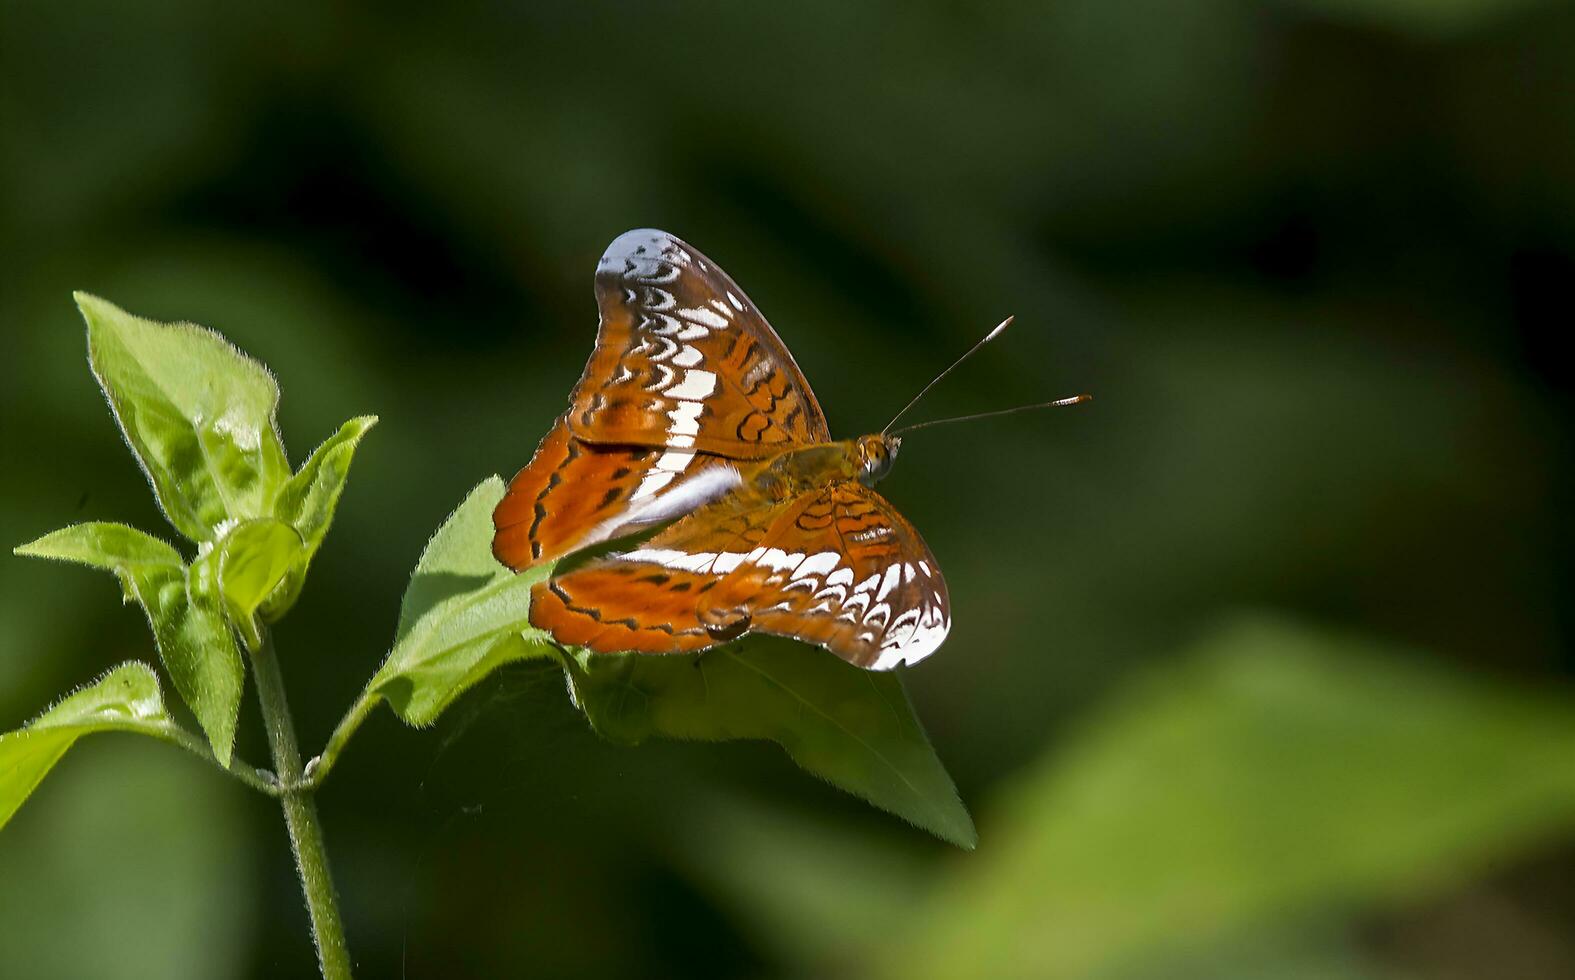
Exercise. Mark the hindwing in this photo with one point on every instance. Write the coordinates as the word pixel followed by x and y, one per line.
pixel 837 567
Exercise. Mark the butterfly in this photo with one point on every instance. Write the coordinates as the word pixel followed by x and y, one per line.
pixel 692 413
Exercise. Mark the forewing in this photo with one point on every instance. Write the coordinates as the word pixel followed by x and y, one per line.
pixel 686 376
pixel 684 360
pixel 575 494
pixel 839 568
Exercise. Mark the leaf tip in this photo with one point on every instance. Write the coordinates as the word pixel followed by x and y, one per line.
pixel 965 836
pixel 93 307
pixel 950 823
pixel 40 547
pixel 355 428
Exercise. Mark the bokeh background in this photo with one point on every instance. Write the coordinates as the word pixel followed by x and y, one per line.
pixel 1261 664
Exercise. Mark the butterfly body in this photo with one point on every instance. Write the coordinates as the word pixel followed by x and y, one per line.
pixel 864 460
pixel 691 413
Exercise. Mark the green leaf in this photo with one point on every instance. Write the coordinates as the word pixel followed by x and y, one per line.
pixel 185 609
pixel 1275 772
pixel 198 414
pixel 126 700
pixel 101 544
pixel 307 503
pixel 463 616
pixel 245 566
pixel 852 727
pixel 195 642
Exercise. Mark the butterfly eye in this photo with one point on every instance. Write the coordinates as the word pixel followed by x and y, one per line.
pixel 876 461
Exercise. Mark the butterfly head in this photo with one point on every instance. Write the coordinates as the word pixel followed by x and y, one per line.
pixel 875 454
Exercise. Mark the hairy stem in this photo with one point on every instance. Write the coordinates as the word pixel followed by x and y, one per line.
pixel 317 770
pixel 300 817
pixel 258 779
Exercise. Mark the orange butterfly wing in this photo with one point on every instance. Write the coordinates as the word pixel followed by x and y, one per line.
pixel 837 567
pixel 626 603
pixel 686 374
pixel 683 359
pixel 556 504
pixel 867 588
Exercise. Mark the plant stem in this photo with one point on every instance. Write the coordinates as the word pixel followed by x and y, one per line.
pixel 257 779
pixel 317 770
pixel 300 817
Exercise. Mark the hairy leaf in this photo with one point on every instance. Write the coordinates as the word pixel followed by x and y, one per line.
pixel 103 544
pixel 198 648
pixel 245 566
pixel 307 501
pixel 851 727
pixel 126 700
pixel 1277 771
pixel 184 608
pixel 463 616
pixel 198 414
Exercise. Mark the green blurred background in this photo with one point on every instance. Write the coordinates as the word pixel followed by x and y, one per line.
pixel 1261 664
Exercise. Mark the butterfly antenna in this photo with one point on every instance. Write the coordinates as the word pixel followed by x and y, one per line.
pixel 1058 403
pixel 971 351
